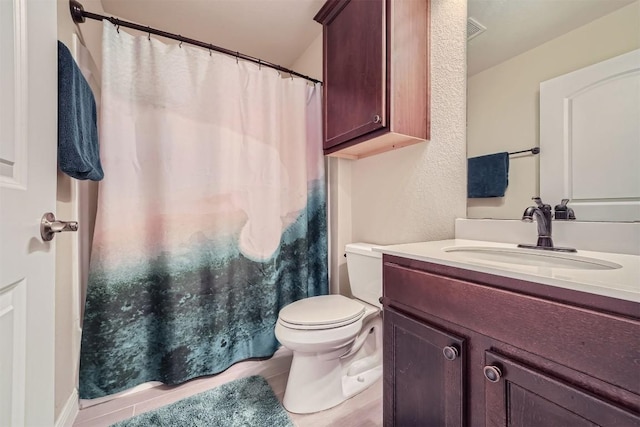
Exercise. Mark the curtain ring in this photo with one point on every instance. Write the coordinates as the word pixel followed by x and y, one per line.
pixel 149 36
pixel 118 25
pixel 259 64
pixel 237 56
pixel 180 45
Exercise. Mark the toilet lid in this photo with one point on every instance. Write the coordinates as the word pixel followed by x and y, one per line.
pixel 323 311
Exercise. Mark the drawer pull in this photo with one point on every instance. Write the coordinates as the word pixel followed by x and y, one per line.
pixel 377 119
pixel 492 373
pixel 450 352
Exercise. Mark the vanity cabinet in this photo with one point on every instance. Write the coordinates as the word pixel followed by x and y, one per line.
pixel 375 75
pixel 524 396
pixel 526 354
pixel 413 359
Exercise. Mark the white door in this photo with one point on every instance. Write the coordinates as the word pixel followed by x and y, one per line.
pixel 28 134
pixel 590 140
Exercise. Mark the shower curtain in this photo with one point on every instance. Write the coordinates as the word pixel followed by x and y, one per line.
pixel 211 215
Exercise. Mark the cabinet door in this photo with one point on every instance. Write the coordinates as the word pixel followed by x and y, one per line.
pixel 519 396
pixel 422 387
pixel 354 71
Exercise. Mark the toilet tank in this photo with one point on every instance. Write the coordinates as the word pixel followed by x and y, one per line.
pixel 364 267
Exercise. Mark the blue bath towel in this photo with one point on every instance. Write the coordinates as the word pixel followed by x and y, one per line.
pixel 488 176
pixel 78 150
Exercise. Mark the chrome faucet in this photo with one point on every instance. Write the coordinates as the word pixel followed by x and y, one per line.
pixel 543 215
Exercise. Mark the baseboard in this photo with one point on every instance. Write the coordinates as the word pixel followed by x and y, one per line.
pixel 87 403
pixel 69 411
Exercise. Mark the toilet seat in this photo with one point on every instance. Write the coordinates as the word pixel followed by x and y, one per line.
pixel 321 312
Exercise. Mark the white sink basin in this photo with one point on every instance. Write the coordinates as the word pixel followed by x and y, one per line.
pixel 530 257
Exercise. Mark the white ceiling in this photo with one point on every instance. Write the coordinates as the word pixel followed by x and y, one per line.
pixel 279 31
pixel 515 26
pixel 276 31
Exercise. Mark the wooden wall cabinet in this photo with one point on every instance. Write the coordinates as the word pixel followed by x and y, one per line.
pixel 526 355
pixel 376 75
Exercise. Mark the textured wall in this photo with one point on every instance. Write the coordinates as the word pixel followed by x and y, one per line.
pixel 504 101
pixel 415 193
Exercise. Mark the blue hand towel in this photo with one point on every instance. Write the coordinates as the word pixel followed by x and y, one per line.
pixel 78 150
pixel 488 176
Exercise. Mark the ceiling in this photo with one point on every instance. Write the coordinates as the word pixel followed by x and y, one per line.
pixel 515 26
pixel 277 31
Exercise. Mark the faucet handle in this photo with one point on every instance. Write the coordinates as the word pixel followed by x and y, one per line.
pixel 540 203
pixel 562 211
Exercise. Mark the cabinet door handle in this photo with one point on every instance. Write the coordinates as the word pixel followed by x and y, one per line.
pixel 492 373
pixel 377 119
pixel 450 352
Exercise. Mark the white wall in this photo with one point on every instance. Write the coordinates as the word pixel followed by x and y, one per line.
pixel 310 62
pixel 414 193
pixel 69 291
pixel 503 102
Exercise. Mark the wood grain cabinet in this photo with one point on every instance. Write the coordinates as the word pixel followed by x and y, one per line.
pixel 425 364
pixel 518 395
pixel 463 348
pixel 376 75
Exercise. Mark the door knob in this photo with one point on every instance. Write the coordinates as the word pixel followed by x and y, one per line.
pixel 49 226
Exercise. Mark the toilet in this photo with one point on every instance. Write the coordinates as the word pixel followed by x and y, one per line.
pixel 336 341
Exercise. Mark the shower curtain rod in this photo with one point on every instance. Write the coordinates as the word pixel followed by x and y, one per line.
pixel 79 14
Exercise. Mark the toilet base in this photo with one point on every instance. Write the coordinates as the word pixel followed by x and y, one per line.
pixel 319 381
pixel 315 384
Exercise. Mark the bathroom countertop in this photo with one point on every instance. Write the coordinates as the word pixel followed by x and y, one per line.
pixel 622 283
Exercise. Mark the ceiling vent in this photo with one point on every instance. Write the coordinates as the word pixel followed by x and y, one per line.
pixel 474 28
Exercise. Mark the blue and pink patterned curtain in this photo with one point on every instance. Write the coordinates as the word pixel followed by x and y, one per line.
pixel 211 215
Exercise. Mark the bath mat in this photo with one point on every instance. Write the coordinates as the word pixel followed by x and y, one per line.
pixel 247 402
